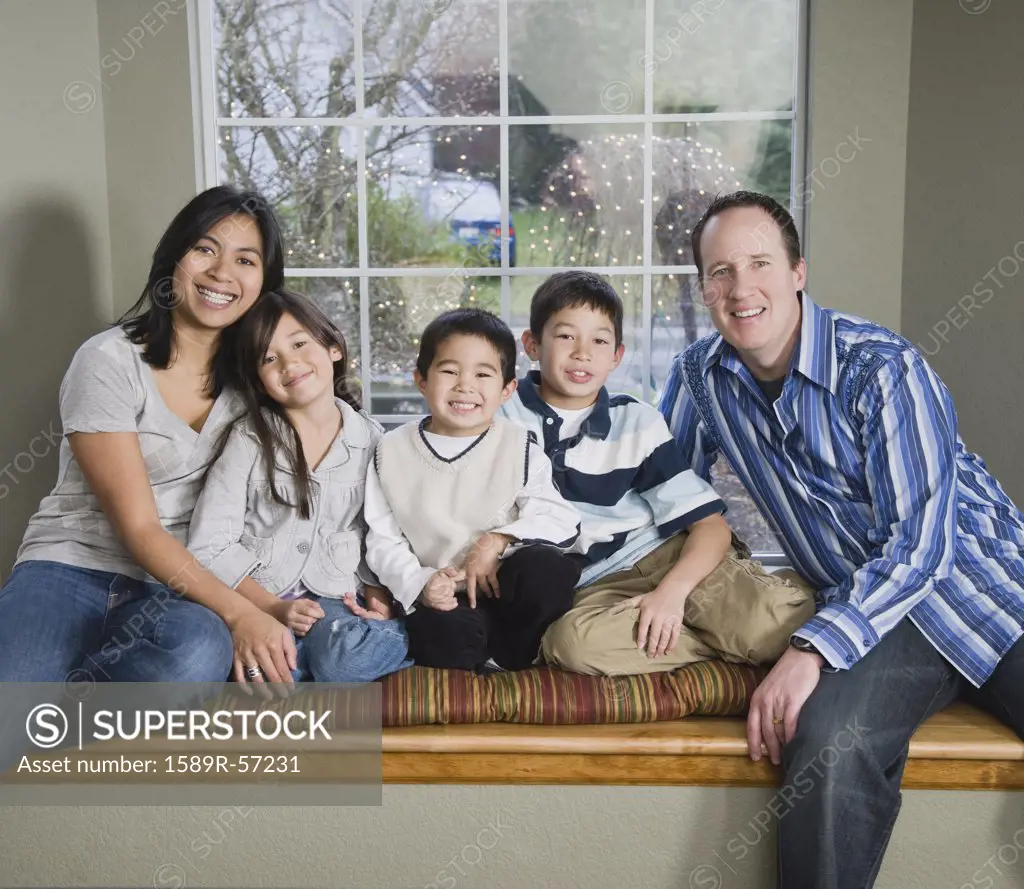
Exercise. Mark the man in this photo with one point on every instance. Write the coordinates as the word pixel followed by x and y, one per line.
pixel 847 440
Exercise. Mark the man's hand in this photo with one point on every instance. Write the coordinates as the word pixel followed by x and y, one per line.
pixel 378 602
pixel 482 565
pixel 298 615
pixel 439 591
pixel 776 704
pixel 661 618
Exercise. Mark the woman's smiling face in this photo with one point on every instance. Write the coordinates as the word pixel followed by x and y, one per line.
pixel 221 275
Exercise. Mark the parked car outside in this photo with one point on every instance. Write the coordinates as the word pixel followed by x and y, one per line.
pixel 472 210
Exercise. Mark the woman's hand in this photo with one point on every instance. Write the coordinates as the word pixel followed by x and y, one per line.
pixel 264 642
pixel 298 615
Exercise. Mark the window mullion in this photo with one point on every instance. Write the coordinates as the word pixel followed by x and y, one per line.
pixel 648 205
pixel 365 346
pixel 503 161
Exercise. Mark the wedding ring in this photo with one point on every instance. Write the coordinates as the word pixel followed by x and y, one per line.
pixel 253 672
pixel 776 720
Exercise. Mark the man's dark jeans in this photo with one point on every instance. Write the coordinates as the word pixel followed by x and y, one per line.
pixel 845 793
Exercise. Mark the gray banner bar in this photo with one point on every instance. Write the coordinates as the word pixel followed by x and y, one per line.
pixel 189 744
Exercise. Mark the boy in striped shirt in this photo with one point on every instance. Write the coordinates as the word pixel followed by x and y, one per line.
pixel 662 585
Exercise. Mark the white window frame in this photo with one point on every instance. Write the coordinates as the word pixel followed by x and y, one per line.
pixel 207 123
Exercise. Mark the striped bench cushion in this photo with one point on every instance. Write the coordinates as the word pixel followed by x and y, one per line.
pixel 548 696
pixel 539 696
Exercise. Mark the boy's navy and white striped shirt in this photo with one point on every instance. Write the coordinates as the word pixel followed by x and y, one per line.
pixel 622 471
pixel 860 470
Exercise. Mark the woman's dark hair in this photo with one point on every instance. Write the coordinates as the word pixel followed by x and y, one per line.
pixel 470 322
pixel 571 290
pixel 779 215
pixel 270 423
pixel 148 322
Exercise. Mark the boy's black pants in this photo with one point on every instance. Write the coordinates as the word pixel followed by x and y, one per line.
pixel 537 585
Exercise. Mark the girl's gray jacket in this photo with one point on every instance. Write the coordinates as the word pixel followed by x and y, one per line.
pixel 239 529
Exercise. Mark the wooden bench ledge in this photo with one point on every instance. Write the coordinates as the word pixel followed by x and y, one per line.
pixel 960 732
pixel 960 748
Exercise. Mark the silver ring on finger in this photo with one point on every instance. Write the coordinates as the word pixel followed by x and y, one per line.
pixel 253 673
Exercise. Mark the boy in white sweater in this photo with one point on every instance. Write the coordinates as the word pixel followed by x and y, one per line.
pixel 466 527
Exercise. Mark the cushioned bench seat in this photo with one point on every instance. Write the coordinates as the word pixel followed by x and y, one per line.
pixel 538 727
pixel 545 726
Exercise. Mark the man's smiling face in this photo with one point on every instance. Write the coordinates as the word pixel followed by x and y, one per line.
pixel 749 286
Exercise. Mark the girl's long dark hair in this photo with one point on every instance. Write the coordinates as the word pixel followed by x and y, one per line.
pixel 148 322
pixel 269 421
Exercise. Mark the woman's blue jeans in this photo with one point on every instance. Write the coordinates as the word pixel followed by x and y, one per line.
pixel 61 622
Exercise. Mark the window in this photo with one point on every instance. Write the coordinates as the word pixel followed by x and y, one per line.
pixel 425 154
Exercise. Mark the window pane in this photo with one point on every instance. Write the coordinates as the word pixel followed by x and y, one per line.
pixel 432 195
pixel 743 515
pixel 339 298
pixel 309 175
pixel 628 376
pixel 400 308
pixel 722 55
pixel 691 162
pixel 291 59
pixel 567 57
pixel 426 58
pixel 678 318
pixel 578 193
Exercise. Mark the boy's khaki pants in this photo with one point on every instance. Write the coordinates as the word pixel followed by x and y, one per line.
pixel 738 613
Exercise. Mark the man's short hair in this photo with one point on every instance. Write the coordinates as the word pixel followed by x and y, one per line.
pixel 470 322
pixel 573 289
pixel 779 214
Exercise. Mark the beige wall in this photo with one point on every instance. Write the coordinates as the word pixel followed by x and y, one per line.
pixel 54 233
pixel 853 186
pixel 499 837
pixel 148 114
pixel 101 92
pixel 560 837
pixel 965 214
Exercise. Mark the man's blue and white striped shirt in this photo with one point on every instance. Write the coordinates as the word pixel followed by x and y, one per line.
pixel 622 471
pixel 859 469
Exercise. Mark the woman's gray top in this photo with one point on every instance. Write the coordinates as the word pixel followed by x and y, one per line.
pixel 109 388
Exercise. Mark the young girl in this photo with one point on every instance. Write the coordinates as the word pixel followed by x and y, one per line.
pixel 102 587
pixel 281 514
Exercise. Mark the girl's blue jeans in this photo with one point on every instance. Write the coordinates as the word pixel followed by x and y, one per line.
pixel 341 647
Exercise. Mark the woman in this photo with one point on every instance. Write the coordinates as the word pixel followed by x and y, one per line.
pixel 103 586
